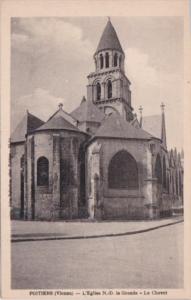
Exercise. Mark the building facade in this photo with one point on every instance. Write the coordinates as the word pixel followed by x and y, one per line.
pixel 98 162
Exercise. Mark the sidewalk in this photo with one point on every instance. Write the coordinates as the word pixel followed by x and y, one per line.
pixel 38 230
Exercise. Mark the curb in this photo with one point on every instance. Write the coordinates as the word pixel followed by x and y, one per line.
pixel 92 236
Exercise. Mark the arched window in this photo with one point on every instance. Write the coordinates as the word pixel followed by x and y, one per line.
pixel 164 173
pixel 158 169
pixel 42 171
pixel 107 60
pixel 101 61
pixel 120 61
pixel 109 89
pixel 115 60
pixel 98 91
pixel 123 172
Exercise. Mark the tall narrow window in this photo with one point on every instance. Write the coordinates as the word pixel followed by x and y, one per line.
pixel 107 60
pixel 158 169
pixel 109 89
pixel 123 171
pixel 115 60
pixel 98 91
pixel 101 61
pixel 42 171
pixel 120 61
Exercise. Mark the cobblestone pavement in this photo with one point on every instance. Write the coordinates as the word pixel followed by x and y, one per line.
pixel 152 259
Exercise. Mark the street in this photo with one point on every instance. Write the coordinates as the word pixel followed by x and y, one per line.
pixel 152 259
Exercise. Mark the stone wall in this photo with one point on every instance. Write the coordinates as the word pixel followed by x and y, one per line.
pixel 60 198
pixel 16 153
pixel 119 203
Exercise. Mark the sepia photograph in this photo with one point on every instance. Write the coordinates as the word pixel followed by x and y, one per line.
pixel 96 154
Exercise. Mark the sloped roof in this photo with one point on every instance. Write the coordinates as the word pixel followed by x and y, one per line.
pixel 109 39
pixel 153 125
pixel 57 123
pixel 64 114
pixel 114 126
pixel 88 112
pixel 60 120
pixel 28 124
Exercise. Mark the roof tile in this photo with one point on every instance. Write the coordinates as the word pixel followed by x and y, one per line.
pixel 27 125
pixel 109 39
pixel 88 112
pixel 114 126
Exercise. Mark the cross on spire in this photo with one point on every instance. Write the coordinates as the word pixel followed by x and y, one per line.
pixel 108 18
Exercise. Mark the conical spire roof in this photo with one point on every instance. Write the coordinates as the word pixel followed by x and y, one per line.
pixel 109 39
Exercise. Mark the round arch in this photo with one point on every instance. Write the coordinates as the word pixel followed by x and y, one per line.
pixel 42 171
pixel 110 109
pixel 109 77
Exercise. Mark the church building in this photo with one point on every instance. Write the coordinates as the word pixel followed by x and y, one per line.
pixel 99 162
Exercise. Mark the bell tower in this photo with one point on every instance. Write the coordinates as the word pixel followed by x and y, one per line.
pixel 108 87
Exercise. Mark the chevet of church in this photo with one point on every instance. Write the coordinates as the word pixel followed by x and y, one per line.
pixel 100 162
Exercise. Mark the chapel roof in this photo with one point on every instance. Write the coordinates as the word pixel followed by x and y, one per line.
pixel 57 123
pixel 114 126
pixel 60 120
pixel 109 39
pixel 28 124
pixel 87 112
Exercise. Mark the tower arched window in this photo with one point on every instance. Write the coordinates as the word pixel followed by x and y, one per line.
pixel 42 171
pixel 101 61
pixel 109 89
pixel 158 169
pixel 120 61
pixel 107 60
pixel 115 59
pixel 122 171
pixel 98 91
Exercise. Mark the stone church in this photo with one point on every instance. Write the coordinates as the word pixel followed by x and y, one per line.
pixel 99 162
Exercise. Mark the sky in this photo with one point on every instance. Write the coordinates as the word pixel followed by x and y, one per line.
pixel 51 58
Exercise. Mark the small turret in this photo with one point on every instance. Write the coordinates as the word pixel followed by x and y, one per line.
pixel 141 116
